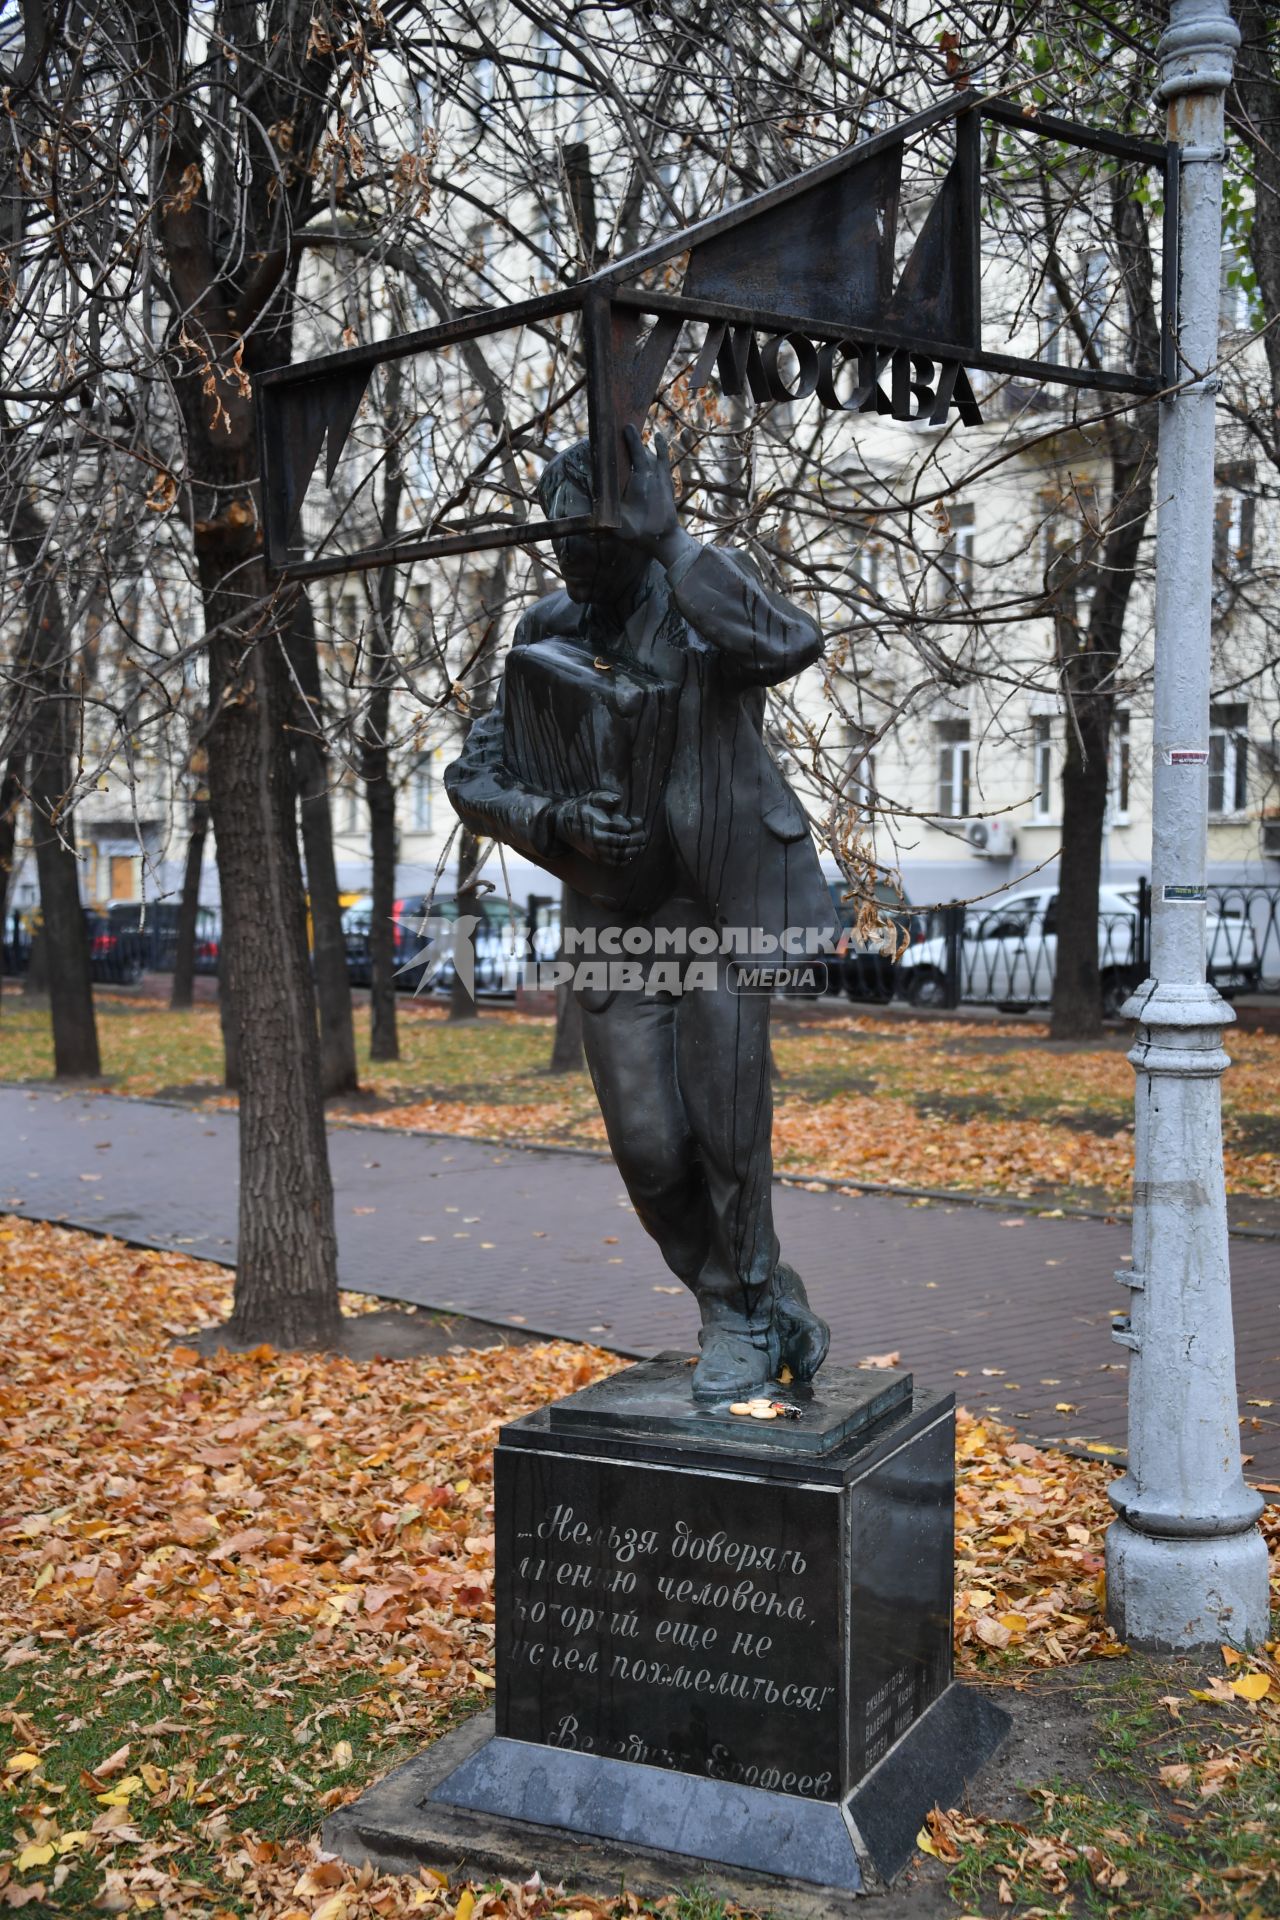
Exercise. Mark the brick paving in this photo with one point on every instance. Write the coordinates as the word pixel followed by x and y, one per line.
pixel 1010 1310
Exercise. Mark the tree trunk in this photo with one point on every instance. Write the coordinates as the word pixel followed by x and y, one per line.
pixel 10 806
pixel 462 1003
pixel 35 985
pixel 64 930
pixel 64 933
pixel 1090 659
pixel 227 1018
pixel 380 793
pixel 338 1069
pixel 566 1049
pixel 184 959
pixel 384 1040
pixel 286 1274
pixel 1077 992
pixel 230 319
pixel 1258 88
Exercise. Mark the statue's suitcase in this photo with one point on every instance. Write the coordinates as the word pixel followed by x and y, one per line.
pixel 577 723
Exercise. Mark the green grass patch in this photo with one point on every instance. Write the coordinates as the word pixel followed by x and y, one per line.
pixel 1130 1841
pixel 227 1735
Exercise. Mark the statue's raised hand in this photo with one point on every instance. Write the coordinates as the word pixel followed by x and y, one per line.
pixel 595 825
pixel 648 516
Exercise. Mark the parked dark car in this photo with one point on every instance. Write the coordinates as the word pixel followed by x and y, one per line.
pixel 153 927
pixel 421 956
pixel 117 955
pixel 357 919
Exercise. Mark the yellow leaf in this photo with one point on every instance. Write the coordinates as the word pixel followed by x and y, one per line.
pixel 1016 1622
pixel 1103 1447
pixel 22 1762
pixel 156 1779
pixel 44 1576
pixel 464 1908
pixel 71 1841
pixel 1252 1686
pixel 482 1679
pixel 121 1792
pixel 342 1754
pixel 334 1908
pixel 925 1844
pixel 34 1857
pixel 1065 1406
pixel 1232 1656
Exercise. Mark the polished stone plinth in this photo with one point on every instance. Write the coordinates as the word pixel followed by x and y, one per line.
pixel 653 1400
pixel 715 1651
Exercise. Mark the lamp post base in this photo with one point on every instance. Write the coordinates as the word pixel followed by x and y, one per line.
pixel 1171 1595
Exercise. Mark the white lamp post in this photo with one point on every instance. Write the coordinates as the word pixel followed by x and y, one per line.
pixel 1186 1564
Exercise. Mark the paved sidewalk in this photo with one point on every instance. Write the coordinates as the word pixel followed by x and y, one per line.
pixel 1010 1310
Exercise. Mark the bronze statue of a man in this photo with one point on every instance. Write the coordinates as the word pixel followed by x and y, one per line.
pixel 625 754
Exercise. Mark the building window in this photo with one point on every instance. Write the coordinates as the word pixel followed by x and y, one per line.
pixel 953 768
pixel 1228 759
pixel 1118 772
pixel 1233 292
pixel 124 876
pixel 1233 521
pixel 1093 300
pixel 546 53
pixel 1044 769
pixel 956 560
pixel 866 567
pixel 482 75
pixel 861 782
pixel 420 799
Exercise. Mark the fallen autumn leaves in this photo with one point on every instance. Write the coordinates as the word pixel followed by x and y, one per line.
pixel 236 1589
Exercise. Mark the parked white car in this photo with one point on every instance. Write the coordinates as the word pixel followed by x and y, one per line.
pixel 1010 951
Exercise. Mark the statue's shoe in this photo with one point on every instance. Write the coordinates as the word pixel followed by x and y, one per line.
pixel 799 1337
pixel 737 1352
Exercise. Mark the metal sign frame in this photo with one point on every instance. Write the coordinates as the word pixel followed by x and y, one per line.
pixel 809 263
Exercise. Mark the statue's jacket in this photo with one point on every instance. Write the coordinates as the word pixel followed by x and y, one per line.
pixel 716 636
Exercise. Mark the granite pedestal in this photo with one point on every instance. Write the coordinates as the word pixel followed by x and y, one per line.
pixel 722 1642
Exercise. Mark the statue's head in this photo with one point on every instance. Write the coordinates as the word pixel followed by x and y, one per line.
pixel 599 568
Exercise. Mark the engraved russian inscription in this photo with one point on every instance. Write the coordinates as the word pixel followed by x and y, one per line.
pixel 672 1618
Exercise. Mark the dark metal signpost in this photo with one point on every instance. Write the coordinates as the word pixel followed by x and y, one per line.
pixel 809 263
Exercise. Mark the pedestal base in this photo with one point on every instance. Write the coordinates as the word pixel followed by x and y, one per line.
pixel 475 1804
pixel 723 1646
